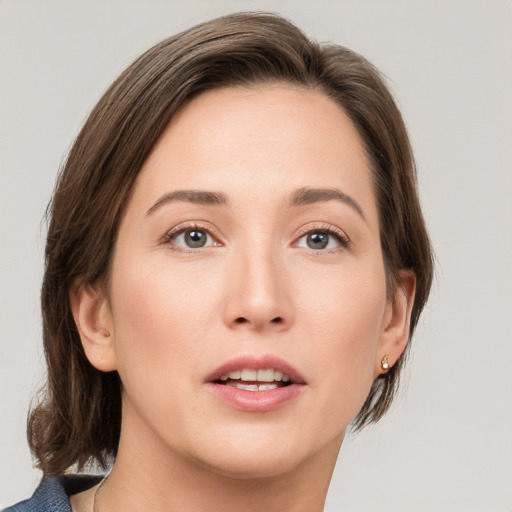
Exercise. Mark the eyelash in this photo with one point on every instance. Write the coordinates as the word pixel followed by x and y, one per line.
pixel 183 228
pixel 339 235
pixel 343 240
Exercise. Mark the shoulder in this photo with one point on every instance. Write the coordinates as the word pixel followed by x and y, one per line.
pixel 52 494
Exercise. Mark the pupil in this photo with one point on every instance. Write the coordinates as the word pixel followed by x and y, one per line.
pixel 195 238
pixel 318 240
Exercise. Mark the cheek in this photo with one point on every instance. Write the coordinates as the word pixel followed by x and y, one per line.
pixel 345 316
pixel 346 306
pixel 161 318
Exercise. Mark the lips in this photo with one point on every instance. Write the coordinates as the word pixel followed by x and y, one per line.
pixel 256 384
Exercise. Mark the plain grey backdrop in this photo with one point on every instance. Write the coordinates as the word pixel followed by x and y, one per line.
pixel 447 443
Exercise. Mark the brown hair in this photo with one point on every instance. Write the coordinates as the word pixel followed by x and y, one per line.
pixel 79 418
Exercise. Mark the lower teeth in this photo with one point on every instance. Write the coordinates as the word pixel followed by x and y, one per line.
pixel 252 387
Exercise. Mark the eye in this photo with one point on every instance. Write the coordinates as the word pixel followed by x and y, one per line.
pixel 190 238
pixel 323 239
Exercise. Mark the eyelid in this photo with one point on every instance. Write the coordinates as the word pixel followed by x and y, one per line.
pixel 340 235
pixel 188 226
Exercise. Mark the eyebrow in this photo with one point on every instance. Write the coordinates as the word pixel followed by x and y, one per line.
pixel 309 195
pixel 190 196
pixel 300 197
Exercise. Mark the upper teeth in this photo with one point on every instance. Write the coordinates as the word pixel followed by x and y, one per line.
pixel 246 374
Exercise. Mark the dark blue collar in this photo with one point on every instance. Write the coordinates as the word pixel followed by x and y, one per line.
pixel 52 494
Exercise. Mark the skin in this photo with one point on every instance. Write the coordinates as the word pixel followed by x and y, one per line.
pixel 173 314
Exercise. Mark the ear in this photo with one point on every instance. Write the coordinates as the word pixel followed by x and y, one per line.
pixel 396 322
pixel 93 320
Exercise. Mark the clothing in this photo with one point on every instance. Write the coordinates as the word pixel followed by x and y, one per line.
pixel 53 494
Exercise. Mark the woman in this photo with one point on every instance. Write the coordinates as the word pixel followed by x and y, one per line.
pixel 235 263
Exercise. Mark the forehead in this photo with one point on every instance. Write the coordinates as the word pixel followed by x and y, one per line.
pixel 268 137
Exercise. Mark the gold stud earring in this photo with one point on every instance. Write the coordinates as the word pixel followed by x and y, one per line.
pixel 384 364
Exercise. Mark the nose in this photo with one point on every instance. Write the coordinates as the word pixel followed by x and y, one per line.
pixel 259 295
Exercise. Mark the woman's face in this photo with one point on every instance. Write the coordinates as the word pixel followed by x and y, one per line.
pixel 249 253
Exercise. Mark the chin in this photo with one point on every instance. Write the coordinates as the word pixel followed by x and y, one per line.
pixel 247 467
pixel 265 455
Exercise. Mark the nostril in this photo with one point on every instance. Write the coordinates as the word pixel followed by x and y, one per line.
pixel 243 320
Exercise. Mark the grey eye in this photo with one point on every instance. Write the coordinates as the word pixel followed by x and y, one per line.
pixel 195 238
pixel 191 238
pixel 317 240
pixel 321 239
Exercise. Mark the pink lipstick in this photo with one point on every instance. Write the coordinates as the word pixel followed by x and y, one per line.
pixel 255 384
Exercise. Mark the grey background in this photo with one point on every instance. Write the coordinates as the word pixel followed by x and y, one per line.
pixel 447 443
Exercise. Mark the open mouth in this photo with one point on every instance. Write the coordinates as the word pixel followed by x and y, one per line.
pixel 249 379
pixel 256 383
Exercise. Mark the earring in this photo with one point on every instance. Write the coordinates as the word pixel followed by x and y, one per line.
pixel 384 364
